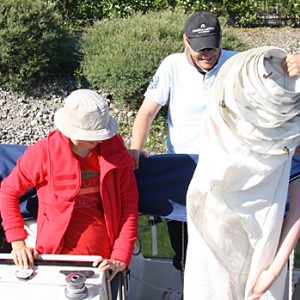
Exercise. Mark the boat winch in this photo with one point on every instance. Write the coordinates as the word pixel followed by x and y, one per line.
pixel 76 289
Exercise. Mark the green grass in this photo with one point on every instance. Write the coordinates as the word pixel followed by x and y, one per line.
pixel 163 241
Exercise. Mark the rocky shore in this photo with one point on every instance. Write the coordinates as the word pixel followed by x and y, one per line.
pixel 24 120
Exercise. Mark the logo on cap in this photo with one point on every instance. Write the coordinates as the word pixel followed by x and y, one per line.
pixel 203 29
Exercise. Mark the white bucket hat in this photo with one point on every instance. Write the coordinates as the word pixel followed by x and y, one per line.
pixel 85 116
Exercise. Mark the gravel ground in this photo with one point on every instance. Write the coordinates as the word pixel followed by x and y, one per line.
pixel 24 120
pixel 286 38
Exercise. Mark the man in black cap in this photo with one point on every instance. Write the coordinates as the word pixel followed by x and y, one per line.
pixel 182 81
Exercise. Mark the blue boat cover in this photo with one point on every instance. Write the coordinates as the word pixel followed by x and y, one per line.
pixel 9 154
pixel 162 181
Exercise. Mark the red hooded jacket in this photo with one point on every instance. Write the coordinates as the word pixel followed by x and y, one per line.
pixel 50 166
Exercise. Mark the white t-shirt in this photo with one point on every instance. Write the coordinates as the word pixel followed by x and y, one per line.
pixel 178 83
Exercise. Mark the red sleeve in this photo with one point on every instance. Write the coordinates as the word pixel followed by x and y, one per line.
pixel 27 173
pixel 124 243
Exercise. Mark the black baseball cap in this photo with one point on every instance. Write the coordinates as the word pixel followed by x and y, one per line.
pixel 203 31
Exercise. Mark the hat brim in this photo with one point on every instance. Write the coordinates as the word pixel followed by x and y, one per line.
pixel 204 42
pixel 64 126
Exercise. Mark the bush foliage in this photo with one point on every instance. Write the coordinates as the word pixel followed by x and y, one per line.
pixel 33 43
pixel 244 13
pixel 85 12
pixel 121 55
pixel 79 13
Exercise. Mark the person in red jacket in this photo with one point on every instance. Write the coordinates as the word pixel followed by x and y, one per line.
pixel 86 188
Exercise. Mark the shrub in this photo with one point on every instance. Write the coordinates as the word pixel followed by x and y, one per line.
pixel 33 43
pixel 121 55
pixel 79 13
pixel 122 8
pixel 244 12
pixel 247 13
pixel 216 6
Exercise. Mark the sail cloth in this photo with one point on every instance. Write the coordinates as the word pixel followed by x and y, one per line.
pixel 236 198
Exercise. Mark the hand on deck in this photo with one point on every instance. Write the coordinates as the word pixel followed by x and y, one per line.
pixel 23 256
pixel 109 264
